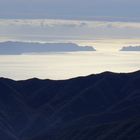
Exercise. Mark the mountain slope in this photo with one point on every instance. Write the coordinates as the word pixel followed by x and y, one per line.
pixel 101 107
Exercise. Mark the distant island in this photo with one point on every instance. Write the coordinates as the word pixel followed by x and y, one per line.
pixel 11 47
pixel 131 48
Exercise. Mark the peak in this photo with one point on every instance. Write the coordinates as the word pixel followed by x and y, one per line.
pixel 32 79
pixel 108 72
pixel 2 78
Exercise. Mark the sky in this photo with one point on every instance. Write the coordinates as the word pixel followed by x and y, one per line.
pixel 100 34
pixel 100 23
pixel 125 10
pixel 107 25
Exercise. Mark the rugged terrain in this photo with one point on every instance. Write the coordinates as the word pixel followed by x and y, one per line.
pixel 105 106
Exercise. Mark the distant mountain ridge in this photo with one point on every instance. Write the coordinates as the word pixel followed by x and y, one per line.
pixel 131 48
pixel 11 47
pixel 104 106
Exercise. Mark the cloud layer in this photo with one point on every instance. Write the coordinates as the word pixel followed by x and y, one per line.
pixel 44 30
pixel 115 10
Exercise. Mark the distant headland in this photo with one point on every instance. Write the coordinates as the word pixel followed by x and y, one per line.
pixel 130 48
pixel 11 47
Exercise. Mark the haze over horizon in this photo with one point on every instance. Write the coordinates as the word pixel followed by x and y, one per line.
pixel 104 35
pixel 107 25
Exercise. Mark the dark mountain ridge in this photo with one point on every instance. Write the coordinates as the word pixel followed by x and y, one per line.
pixel 101 107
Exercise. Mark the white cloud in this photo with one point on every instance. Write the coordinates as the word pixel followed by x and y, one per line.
pixel 68 29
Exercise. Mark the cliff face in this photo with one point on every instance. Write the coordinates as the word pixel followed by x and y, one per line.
pixel 103 106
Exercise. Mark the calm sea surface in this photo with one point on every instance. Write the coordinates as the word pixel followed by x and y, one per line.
pixel 67 65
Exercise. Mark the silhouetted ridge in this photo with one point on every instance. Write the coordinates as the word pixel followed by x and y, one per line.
pixel 104 106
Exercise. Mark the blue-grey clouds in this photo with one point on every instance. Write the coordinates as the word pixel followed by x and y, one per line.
pixel 121 10
pixel 44 30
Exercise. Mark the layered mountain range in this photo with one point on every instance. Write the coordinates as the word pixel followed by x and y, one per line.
pixel 104 106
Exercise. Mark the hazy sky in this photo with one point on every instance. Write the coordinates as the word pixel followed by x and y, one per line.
pixel 100 23
pixel 70 29
pixel 108 25
pixel 122 10
pixel 96 33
